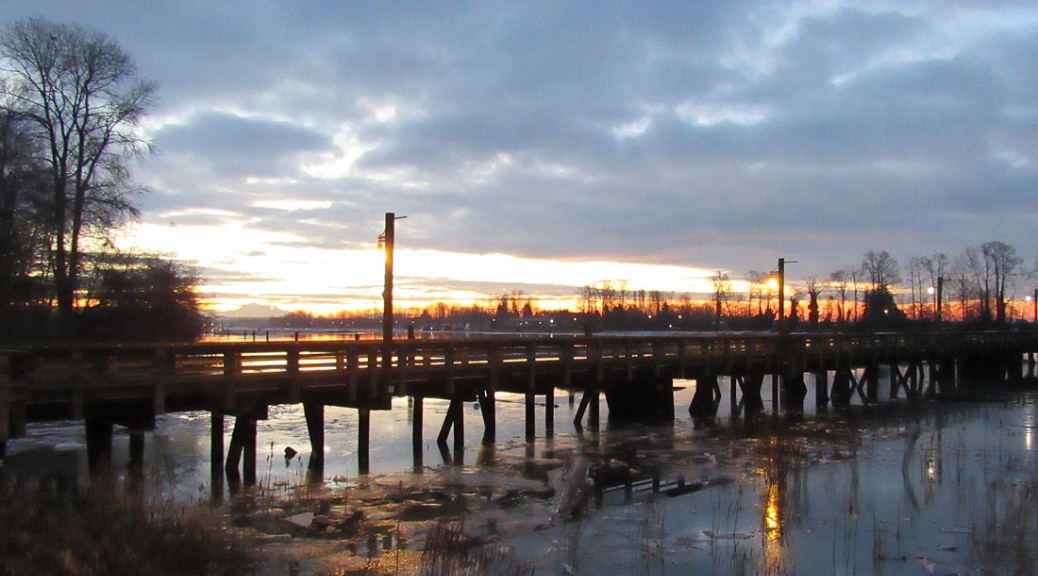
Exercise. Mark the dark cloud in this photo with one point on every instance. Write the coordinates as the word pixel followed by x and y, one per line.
pixel 235 145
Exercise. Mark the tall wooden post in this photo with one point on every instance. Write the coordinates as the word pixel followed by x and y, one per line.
pixel 216 464
pixel 99 445
pixel 417 424
pixel 314 414
pixel 5 403
pixel 531 432
pixel 248 465
pixel 549 412
pixel 388 240
pixel 364 441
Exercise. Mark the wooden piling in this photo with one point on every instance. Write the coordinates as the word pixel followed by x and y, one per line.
pixel 364 441
pixel 704 404
pixel 135 469
pixel 248 465
pixel 216 464
pixel 594 415
pixel 821 389
pixel 459 431
pixel 531 422
pixel 872 382
pixel 314 414
pixel 549 412
pixel 5 402
pixel 733 396
pixel 417 424
pixel 99 445
pixel 489 411
pixel 242 450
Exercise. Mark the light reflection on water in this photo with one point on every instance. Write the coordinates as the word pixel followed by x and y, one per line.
pixel 938 487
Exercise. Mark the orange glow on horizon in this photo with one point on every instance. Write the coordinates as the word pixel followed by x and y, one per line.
pixel 243 266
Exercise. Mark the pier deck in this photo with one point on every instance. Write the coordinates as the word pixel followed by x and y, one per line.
pixel 129 385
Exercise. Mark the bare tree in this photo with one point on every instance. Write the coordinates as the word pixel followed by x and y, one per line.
pixel 813 287
pixel 81 93
pixel 758 286
pixel 855 275
pixel 622 293
pixel 839 280
pixel 964 283
pixel 881 269
pixel 1004 265
pixel 722 289
pixel 22 185
pixel 937 266
pixel 794 303
pixel 657 300
pixel 916 275
pixel 586 294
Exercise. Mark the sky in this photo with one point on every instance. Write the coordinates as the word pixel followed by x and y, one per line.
pixel 540 146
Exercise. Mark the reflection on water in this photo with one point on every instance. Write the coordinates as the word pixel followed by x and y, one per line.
pixel 929 487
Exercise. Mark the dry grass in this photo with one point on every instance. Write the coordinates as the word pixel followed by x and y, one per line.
pixel 47 528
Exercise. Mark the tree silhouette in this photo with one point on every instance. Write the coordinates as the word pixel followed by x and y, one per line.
pixel 80 95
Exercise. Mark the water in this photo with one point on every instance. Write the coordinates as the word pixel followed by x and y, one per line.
pixel 900 488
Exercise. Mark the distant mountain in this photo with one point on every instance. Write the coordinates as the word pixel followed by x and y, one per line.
pixel 255 311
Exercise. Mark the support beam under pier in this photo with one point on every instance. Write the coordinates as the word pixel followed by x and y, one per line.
pixel 364 441
pixel 417 425
pixel 99 445
pixel 549 413
pixel 454 421
pixel 531 416
pixel 314 413
pixel 242 450
pixel 216 464
pixel 707 397
pixel 488 408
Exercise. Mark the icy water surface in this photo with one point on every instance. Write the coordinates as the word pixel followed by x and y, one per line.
pixel 918 488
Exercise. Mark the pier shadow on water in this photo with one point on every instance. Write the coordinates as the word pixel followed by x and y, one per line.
pixel 922 487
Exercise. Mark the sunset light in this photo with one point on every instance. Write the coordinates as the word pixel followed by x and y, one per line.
pixel 279 271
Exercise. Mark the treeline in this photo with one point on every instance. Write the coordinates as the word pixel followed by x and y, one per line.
pixel 978 287
pixel 70 107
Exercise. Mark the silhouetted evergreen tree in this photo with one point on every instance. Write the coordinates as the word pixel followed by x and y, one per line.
pixel 881 311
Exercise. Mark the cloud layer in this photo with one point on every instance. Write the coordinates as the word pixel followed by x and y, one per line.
pixel 716 135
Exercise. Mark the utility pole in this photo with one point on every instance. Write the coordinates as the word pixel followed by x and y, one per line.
pixel 782 288
pixel 940 299
pixel 1035 302
pixel 387 241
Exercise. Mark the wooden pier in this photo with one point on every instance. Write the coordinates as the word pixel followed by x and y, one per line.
pixel 129 385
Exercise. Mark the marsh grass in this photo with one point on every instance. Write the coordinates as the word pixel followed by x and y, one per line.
pixel 49 528
pixel 450 551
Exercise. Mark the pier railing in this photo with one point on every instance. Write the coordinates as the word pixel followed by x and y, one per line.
pixel 131 384
pixel 56 367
